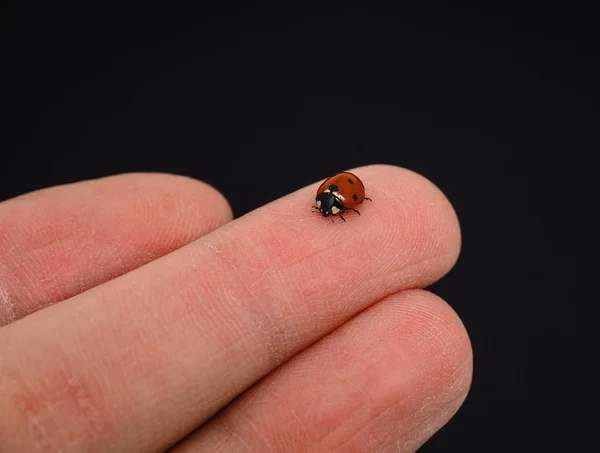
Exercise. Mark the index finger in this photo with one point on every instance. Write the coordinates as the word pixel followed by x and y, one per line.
pixel 157 351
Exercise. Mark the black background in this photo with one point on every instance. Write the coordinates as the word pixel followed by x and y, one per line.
pixel 495 104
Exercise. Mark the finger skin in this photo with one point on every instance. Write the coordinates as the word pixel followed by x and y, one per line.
pixel 383 382
pixel 58 242
pixel 156 352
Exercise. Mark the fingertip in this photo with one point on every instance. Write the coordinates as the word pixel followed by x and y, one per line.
pixel 85 233
pixel 443 353
pixel 196 197
pixel 403 195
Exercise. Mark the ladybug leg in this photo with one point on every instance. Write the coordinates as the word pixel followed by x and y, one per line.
pixel 365 199
pixel 355 211
pixel 341 216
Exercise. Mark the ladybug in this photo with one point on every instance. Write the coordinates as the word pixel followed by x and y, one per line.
pixel 340 193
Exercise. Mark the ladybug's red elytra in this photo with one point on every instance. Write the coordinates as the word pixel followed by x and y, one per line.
pixel 340 193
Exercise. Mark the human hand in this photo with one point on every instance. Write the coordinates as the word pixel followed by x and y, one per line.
pixel 137 317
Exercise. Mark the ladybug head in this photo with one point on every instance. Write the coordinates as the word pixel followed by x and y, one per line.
pixel 328 204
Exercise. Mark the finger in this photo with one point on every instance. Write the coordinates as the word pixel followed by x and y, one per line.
pixel 159 350
pixel 58 242
pixel 385 382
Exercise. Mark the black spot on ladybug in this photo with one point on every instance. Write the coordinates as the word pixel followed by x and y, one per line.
pixel 350 181
pixel 355 197
pixel 333 188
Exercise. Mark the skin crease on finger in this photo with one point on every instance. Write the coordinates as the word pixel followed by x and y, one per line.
pixel 383 382
pixel 154 353
pixel 58 242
